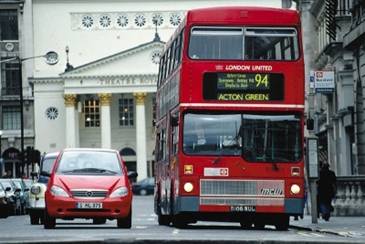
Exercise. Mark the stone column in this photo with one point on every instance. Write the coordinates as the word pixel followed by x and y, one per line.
pixel 141 135
pixel 70 101
pixel 105 101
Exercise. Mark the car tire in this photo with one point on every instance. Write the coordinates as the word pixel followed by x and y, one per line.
pixel 125 223
pixel 98 221
pixel 143 192
pixel 34 219
pixel 49 221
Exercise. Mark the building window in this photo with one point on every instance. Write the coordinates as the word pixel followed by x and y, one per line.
pixel 154 106
pixel 92 113
pixel 11 118
pixel 10 78
pixel 126 112
pixel 9 24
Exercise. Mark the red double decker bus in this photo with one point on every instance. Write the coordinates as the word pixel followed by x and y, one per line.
pixel 230 112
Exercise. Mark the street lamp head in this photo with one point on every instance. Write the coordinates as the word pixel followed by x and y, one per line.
pixel 51 58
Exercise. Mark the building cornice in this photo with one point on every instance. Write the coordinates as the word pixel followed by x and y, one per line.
pixel 46 80
pixel 109 59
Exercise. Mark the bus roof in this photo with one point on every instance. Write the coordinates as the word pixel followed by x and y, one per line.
pixel 244 15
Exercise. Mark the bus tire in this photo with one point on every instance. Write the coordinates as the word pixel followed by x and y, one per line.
pixel 179 221
pixel 282 223
pixel 163 219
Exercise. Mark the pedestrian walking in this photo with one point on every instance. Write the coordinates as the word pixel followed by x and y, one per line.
pixel 326 191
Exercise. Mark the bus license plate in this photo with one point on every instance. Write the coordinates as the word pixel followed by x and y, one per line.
pixel 90 205
pixel 243 209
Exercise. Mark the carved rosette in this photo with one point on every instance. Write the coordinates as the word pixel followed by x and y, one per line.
pixel 140 96
pixel 105 99
pixel 70 100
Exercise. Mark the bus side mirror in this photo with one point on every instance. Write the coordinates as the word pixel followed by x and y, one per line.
pixel 310 124
pixel 174 121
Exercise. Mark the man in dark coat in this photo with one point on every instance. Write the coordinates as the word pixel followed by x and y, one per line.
pixel 326 190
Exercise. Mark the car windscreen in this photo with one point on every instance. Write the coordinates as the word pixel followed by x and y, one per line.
pixel 7 184
pixel 89 163
pixel 47 164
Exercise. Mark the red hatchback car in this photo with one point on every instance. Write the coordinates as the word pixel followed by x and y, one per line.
pixel 89 183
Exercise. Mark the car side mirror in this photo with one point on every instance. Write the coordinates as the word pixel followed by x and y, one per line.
pixel 132 174
pixel 8 188
pixel 26 189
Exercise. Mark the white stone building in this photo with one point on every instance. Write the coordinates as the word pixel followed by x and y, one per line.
pixel 106 98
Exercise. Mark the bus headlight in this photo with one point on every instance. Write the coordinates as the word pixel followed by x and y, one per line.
pixel 188 187
pixel 295 189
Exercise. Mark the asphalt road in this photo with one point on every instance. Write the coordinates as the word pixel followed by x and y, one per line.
pixel 145 229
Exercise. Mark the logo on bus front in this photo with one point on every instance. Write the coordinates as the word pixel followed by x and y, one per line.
pixel 271 192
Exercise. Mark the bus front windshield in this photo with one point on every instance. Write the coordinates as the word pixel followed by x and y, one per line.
pixel 256 137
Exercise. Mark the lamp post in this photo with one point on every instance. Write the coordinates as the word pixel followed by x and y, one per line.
pixel 51 59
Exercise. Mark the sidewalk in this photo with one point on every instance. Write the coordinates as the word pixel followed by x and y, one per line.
pixel 343 226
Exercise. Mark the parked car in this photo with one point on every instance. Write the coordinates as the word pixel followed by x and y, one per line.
pixel 36 195
pixel 13 195
pixel 23 194
pixel 144 187
pixel 89 183
pixel 5 205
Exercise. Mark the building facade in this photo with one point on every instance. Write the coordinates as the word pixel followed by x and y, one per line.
pixel 338 47
pixel 101 92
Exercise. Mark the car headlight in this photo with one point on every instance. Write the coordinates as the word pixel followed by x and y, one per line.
pixel 35 190
pixel 120 192
pixel 58 192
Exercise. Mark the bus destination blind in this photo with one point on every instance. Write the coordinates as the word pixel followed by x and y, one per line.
pixel 243 86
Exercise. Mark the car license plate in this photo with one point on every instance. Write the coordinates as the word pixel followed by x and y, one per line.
pixel 243 209
pixel 90 205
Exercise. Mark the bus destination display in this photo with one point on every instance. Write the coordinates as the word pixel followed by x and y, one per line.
pixel 243 86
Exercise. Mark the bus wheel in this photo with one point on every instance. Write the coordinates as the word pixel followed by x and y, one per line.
pixel 163 219
pixel 282 223
pixel 179 221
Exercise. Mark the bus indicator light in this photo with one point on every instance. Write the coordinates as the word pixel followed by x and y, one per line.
pixel 188 169
pixel 295 171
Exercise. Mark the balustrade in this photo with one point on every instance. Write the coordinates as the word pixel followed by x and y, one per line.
pixel 350 197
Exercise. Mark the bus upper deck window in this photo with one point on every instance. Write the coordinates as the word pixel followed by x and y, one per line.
pixel 216 43
pixel 271 44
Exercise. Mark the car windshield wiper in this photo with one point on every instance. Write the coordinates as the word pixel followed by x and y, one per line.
pixel 90 170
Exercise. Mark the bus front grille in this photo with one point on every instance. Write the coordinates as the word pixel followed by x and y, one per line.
pixel 241 201
pixel 241 188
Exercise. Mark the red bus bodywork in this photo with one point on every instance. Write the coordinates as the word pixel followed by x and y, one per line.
pixel 269 198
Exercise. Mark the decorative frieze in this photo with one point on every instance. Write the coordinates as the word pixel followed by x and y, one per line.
pixel 70 100
pixel 140 96
pixel 105 99
pixel 126 20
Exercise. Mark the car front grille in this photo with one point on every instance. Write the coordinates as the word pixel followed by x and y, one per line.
pixel 89 193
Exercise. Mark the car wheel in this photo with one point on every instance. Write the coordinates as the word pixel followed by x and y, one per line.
pixel 98 221
pixel 125 223
pixel 143 192
pixel 34 219
pixel 49 221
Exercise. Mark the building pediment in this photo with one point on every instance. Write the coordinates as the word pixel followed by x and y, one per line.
pixel 139 60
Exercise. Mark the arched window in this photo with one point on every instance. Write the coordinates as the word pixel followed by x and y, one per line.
pixel 127 151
